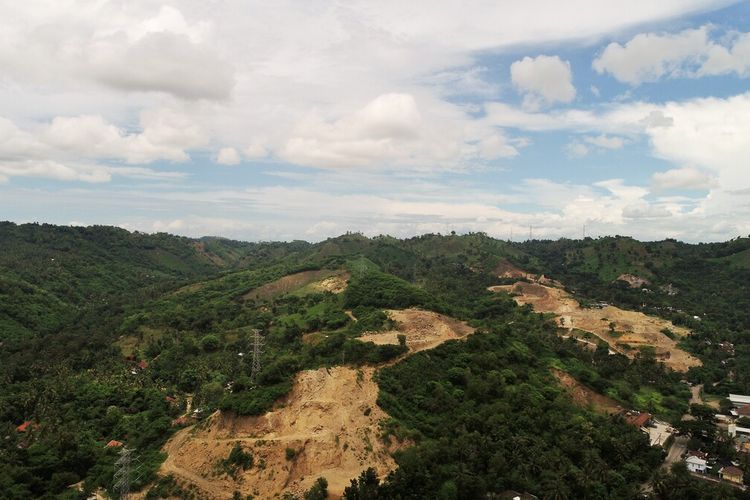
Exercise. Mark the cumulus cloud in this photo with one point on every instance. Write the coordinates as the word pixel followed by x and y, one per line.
pixel 228 156
pixel 648 57
pixel 543 80
pixel 644 211
pixel 71 148
pixel 683 178
pixel 162 62
pixel 604 141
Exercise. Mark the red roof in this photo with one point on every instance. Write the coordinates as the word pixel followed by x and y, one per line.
pixel 142 365
pixel 638 420
pixel 25 426
pixel 700 454
pixel 743 411
pixel 114 444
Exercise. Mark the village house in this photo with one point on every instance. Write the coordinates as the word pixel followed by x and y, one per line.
pixel 732 474
pixel 697 461
pixel 695 464
pixel 738 400
pixel 741 411
pixel 637 418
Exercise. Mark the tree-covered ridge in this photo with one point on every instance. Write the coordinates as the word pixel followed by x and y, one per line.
pixel 174 315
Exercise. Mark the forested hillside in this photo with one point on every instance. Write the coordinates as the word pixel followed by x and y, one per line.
pixel 107 335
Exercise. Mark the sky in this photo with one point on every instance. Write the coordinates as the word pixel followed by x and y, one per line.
pixel 284 120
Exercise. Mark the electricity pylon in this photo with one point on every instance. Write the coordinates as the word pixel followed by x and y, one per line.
pixel 125 466
pixel 258 344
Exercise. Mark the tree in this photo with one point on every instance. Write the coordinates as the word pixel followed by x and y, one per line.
pixel 318 491
pixel 365 487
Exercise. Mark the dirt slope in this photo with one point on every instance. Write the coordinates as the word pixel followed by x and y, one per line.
pixel 335 279
pixel 584 396
pixel 330 418
pixel 423 329
pixel 631 328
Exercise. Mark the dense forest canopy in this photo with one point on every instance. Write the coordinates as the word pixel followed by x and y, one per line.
pixel 104 333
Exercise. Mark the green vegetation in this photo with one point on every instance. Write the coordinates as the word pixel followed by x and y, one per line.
pixel 105 334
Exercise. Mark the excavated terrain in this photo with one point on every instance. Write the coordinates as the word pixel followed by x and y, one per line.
pixel 330 420
pixel 623 330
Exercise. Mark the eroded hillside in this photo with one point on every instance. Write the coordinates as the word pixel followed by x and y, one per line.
pixel 330 421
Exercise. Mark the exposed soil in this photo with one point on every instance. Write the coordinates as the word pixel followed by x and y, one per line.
pixel 333 284
pixel 631 329
pixel 330 418
pixel 633 281
pixel 423 329
pixel 584 396
pixel 294 282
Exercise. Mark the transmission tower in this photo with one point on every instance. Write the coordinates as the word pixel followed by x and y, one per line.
pixel 125 467
pixel 257 352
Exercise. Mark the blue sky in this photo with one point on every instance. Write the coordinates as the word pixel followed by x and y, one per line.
pixel 303 120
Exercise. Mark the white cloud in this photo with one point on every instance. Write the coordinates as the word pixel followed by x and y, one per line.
pixel 228 156
pixel 262 70
pixel 690 53
pixel 683 178
pixel 162 62
pixel 543 80
pixel 605 142
pixel 576 150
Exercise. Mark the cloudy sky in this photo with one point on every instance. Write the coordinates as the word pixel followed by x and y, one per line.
pixel 305 119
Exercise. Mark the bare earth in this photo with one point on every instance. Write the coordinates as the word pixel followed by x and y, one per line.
pixel 630 327
pixel 583 396
pixel 423 329
pixel 334 281
pixel 330 418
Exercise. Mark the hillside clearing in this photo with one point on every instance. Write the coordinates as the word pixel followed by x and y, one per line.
pixel 331 280
pixel 330 419
pixel 624 331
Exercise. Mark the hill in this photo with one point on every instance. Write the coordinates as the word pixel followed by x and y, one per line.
pixel 107 335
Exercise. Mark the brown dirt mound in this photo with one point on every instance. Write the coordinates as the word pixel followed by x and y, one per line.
pixel 289 283
pixel 630 327
pixel 423 329
pixel 583 396
pixel 633 281
pixel 330 418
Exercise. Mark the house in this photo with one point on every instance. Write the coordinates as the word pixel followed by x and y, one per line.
pixel 696 464
pixel 738 400
pixel 26 426
pixel 742 411
pixel 731 473
pixel 114 444
pixel 744 447
pixel 637 419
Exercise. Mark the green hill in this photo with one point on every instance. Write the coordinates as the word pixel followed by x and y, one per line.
pixel 105 334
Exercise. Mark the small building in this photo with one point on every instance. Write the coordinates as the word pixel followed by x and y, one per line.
pixel 732 474
pixel 742 411
pixel 114 444
pixel 26 426
pixel 696 464
pixel 738 400
pixel 637 418
pixel 744 447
